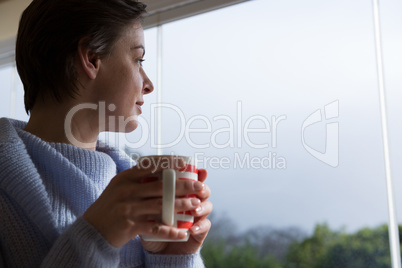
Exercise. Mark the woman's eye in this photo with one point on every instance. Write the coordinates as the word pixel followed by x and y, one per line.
pixel 140 61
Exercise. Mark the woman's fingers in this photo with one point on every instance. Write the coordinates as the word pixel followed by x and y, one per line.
pixel 185 204
pixel 184 187
pixel 152 246
pixel 203 210
pixel 205 193
pixel 145 207
pixel 200 230
pixel 134 209
pixel 161 231
pixel 202 175
pixel 155 189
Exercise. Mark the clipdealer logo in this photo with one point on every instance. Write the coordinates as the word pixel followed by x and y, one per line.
pixel 238 130
pixel 331 154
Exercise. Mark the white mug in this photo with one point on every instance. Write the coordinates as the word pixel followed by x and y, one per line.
pixel 182 220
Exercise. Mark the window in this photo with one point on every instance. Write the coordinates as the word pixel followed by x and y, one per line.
pixel 278 100
pixel 12 102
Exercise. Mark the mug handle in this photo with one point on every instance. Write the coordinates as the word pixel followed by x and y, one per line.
pixel 169 196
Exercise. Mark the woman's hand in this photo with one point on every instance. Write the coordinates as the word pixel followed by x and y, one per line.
pixel 198 231
pixel 122 210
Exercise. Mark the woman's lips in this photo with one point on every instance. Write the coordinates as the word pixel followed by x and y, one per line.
pixel 138 104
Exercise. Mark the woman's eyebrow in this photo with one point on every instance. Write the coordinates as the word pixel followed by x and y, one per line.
pixel 139 47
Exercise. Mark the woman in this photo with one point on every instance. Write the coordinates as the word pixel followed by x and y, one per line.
pixel 67 200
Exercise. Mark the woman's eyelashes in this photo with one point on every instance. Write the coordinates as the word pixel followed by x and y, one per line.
pixel 140 61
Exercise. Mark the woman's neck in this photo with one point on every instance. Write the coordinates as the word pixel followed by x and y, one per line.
pixel 63 123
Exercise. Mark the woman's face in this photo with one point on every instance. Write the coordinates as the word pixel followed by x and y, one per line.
pixel 121 81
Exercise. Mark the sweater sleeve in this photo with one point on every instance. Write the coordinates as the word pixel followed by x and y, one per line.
pixel 81 245
pixel 173 261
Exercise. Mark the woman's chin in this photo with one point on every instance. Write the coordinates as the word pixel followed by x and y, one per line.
pixel 130 127
pixel 126 126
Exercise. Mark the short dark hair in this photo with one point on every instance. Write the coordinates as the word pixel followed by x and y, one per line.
pixel 48 36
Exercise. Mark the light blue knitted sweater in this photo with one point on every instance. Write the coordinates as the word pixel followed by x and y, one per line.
pixel 44 190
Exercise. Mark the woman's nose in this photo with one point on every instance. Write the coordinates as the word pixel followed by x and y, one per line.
pixel 148 86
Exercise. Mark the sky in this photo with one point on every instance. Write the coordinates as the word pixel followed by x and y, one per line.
pixel 255 89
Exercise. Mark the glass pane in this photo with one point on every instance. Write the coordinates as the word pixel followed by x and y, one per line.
pixel 12 92
pixel 5 89
pixel 279 101
pixel 391 23
pixel 19 110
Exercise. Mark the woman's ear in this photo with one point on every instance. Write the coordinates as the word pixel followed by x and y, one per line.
pixel 89 61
